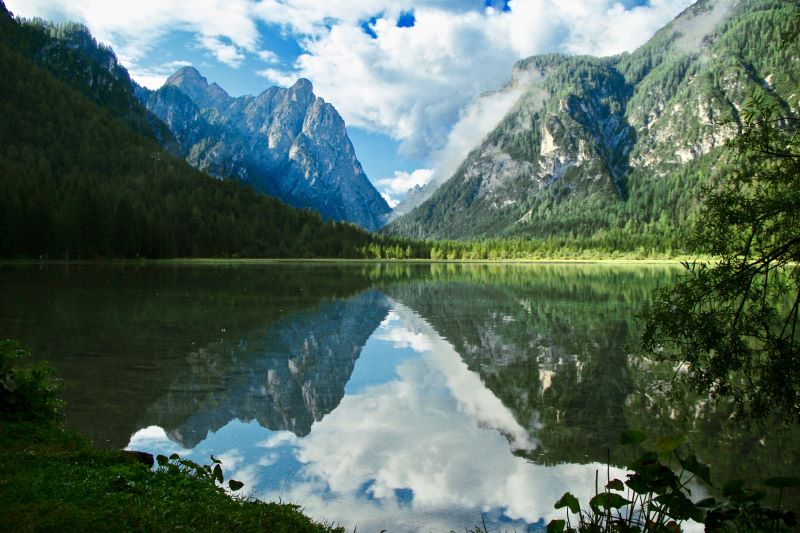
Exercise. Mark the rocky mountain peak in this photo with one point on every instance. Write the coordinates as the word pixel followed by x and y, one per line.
pixel 195 86
pixel 286 142
pixel 187 77
pixel 302 87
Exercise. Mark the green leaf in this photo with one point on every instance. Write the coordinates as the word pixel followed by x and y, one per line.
pixel 218 473
pixel 615 484
pixel 556 526
pixel 215 460
pixel 667 445
pixel 235 485
pixel 609 500
pixel 161 460
pixel 569 501
pixel 680 507
pixel 782 482
pixel 632 436
pixel 733 487
pixel 638 485
pixel 691 464
pixel 707 503
pixel 174 457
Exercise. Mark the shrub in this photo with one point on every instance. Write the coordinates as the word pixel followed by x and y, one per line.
pixel 26 392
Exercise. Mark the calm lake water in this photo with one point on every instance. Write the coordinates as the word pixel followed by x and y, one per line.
pixel 424 397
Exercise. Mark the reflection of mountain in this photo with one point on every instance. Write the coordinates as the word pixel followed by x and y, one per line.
pixel 286 376
pixel 550 342
pixel 119 335
pixel 554 343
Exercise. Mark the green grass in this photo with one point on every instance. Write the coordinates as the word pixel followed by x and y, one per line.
pixel 54 480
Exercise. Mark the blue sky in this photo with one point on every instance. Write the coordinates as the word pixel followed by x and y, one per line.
pixel 404 74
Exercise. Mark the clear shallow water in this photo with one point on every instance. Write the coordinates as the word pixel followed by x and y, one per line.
pixel 398 397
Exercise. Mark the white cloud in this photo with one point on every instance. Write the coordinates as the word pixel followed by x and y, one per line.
pixel 268 56
pixel 154 77
pixel 390 201
pixel 416 83
pixel 412 83
pixel 225 52
pixel 278 77
pixel 401 182
pixel 155 440
pixel 227 28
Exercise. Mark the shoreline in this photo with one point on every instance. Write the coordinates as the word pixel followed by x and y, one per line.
pixel 268 261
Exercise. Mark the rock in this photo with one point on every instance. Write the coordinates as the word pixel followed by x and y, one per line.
pixel 285 142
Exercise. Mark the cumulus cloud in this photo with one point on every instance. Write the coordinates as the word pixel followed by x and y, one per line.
pixel 268 56
pixel 226 28
pixel 225 52
pixel 277 76
pixel 154 77
pixel 412 83
pixel 401 182
pixel 415 83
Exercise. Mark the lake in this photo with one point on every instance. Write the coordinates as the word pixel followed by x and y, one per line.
pixel 406 397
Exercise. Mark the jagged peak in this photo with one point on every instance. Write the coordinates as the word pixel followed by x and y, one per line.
pixel 187 74
pixel 303 85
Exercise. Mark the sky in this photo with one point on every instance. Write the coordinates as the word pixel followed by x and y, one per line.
pixel 406 75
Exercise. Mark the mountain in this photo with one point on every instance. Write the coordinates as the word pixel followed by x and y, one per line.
pixel 83 173
pixel 614 150
pixel 288 143
pixel 69 53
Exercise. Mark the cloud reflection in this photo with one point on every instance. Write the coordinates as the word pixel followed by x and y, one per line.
pixel 426 449
pixel 436 433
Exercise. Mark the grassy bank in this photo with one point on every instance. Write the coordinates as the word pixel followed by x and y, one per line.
pixel 52 479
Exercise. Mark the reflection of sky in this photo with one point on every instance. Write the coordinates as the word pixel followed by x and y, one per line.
pixel 418 443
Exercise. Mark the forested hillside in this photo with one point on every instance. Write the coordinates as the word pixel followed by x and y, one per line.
pixel 82 181
pixel 612 153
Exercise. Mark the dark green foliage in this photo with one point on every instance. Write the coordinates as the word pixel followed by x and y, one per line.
pixel 732 324
pixel 658 498
pixel 77 183
pixel 53 480
pixel 70 54
pixel 26 392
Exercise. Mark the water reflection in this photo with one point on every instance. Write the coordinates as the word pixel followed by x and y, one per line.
pixel 285 376
pixel 407 397
pixel 417 443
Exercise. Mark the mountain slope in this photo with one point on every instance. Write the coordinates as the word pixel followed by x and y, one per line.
pixel 285 142
pixel 77 182
pixel 70 54
pixel 613 150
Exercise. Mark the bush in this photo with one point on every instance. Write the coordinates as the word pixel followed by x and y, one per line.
pixel 656 499
pixel 26 392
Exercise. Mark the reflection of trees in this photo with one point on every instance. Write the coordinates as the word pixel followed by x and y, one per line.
pixel 550 341
pixel 286 376
pixel 554 344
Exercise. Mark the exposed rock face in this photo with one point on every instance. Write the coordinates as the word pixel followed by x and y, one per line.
pixel 286 142
pixel 595 143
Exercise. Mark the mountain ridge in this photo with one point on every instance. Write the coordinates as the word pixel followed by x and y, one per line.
pixel 79 180
pixel 286 142
pixel 619 147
